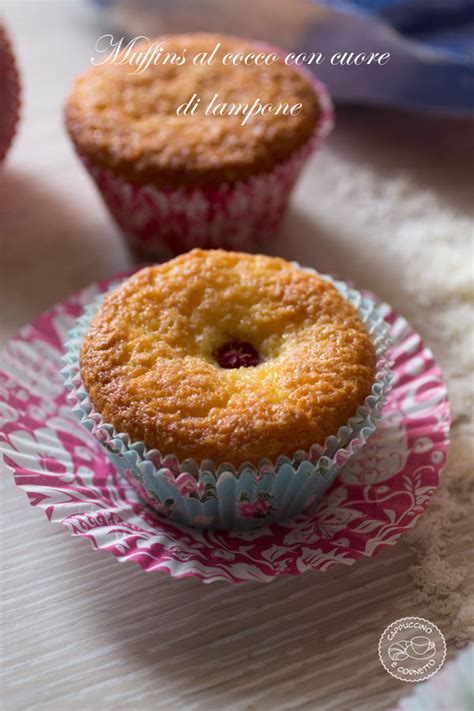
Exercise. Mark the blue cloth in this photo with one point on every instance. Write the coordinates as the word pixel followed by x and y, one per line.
pixel 432 53
pixel 445 25
pixel 431 45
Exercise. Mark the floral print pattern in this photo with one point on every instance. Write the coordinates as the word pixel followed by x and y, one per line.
pixel 65 471
pixel 261 507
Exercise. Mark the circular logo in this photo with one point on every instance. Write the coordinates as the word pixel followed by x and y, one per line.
pixel 412 649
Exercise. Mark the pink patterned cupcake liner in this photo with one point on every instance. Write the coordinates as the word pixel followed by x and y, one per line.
pixel 9 93
pixel 379 494
pixel 163 222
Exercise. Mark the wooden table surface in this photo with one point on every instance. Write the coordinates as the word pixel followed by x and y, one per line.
pixel 81 631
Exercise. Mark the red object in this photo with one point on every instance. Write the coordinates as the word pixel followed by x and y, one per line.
pixel 9 93
pixel 237 355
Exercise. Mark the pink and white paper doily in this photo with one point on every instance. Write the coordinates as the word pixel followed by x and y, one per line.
pixel 378 495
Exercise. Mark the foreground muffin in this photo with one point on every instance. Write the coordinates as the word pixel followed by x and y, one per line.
pixel 177 181
pixel 219 365
pixel 161 359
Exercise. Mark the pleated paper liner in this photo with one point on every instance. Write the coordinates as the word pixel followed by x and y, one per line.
pixel 377 496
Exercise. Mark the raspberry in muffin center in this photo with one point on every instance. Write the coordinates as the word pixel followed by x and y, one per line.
pixel 237 354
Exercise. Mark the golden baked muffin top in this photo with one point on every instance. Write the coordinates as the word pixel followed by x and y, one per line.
pixel 160 359
pixel 127 121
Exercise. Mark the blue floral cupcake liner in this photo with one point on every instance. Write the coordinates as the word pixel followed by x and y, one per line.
pixel 213 495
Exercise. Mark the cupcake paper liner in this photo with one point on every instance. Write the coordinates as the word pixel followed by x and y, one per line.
pixel 379 495
pixel 9 93
pixel 240 215
pixel 218 496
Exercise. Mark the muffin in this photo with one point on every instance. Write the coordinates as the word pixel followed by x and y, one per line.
pixel 227 366
pixel 174 182
pixel 9 93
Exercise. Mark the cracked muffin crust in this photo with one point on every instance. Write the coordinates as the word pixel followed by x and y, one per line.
pixel 297 362
pixel 126 122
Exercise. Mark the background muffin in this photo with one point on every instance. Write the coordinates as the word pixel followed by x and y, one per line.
pixel 9 93
pixel 178 181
